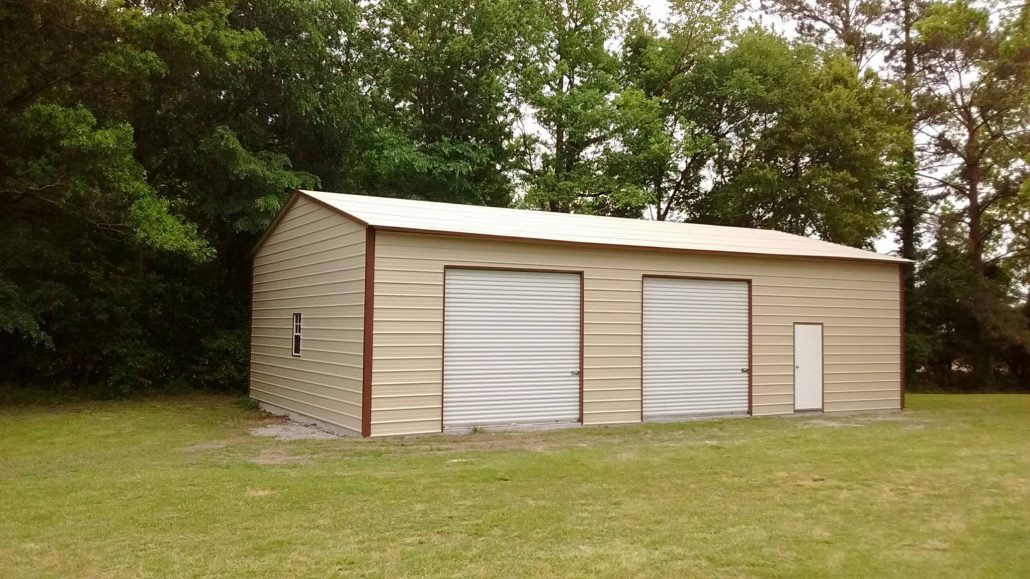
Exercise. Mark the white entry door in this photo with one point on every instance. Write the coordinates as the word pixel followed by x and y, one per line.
pixel 695 347
pixel 511 348
pixel 808 367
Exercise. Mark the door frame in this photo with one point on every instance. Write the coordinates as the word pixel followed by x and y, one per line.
pixel 793 369
pixel 750 332
pixel 443 321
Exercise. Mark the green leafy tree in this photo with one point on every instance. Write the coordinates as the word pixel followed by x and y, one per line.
pixel 877 35
pixel 439 75
pixel 664 146
pixel 974 98
pixel 144 145
pixel 567 92
pixel 79 213
pixel 965 320
pixel 758 133
pixel 859 25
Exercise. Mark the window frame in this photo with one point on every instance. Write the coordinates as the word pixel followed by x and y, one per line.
pixel 295 342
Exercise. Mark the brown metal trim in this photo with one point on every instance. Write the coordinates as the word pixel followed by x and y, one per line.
pixel 794 360
pixel 582 313
pixel 696 277
pixel 901 331
pixel 525 269
pixel 367 332
pixel 537 240
pixel 443 341
pixel 750 335
pixel 294 334
pixel 582 299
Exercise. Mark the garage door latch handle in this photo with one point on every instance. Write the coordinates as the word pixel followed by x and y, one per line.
pixel 745 370
pixel 574 372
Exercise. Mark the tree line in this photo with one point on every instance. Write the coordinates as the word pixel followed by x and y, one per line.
pixel 144 145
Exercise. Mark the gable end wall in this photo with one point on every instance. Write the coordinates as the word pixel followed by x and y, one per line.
pixel 311 262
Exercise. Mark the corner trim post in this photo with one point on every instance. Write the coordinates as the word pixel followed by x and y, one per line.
pixel 368 319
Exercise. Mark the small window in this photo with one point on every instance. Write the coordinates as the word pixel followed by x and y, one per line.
pixel 296 334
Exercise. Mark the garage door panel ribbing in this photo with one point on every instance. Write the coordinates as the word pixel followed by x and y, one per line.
pixel 695 347
pixel 511 347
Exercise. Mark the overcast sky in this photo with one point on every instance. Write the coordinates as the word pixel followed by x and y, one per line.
pixel 658 9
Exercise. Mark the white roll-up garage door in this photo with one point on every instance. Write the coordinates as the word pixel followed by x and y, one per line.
pixel 695 347
pixel 511 348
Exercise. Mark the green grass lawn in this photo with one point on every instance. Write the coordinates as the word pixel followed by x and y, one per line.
pixel 177 486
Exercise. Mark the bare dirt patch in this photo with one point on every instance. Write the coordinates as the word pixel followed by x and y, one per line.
pixel 271 456
pixel 853 420
pixel 202 446
pixel 260 492
pixel 292 431
pixel 826 423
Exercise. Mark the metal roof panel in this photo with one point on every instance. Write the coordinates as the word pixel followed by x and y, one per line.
pixel 477 220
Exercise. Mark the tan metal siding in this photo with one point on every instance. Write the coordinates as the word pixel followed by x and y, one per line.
pixel 312 262
pixel 856 301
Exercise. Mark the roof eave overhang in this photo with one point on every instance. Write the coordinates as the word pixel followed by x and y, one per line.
pixel 445 233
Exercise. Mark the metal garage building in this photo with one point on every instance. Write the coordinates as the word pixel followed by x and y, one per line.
pixel 384 316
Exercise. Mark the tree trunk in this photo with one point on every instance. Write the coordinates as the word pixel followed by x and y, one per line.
pixel 976 237
pixel 982 359
pixel 909 199
pixel 908 206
